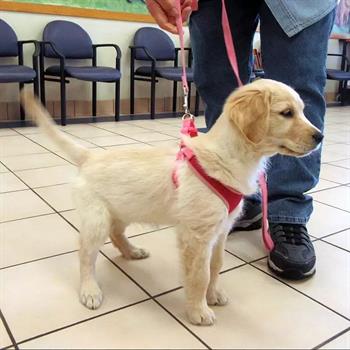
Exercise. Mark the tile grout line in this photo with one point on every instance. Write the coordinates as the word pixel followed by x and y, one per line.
pixel 82 321
pixel 38 259
pixel 66 252
pixel 35 188
pixel 332 338
pixel 325 189
pixel 334 233
pixel 47 203
pixel 28 217
pixel 136 141
pixel 300 292
pixel 8 330
pixel 332 206
pixel 339 166
pixel 245 261
pixel 334 245
pixel 43 167
pixel 156 301
pixel 47 149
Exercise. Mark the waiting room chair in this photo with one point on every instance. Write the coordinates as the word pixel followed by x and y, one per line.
pixel 17 73
pixel 342 75
pixel 152 45
pixel 65 40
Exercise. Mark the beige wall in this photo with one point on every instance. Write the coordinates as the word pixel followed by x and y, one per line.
pixel 30 26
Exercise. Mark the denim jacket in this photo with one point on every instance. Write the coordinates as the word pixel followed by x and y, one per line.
pixel 295 15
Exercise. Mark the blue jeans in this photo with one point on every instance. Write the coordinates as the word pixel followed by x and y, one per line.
pixel 298 61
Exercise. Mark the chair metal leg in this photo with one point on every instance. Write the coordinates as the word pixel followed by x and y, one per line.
pixel 189 95
pixel 94 101
pixel 36 86
pixel 153 97
pixel 132 94
pixel 174 96
pixel 63 100
pixel 22 113
pixel 42 80
pixel 43 91
pixel 343 85
pixel 117 101
pixel 196 106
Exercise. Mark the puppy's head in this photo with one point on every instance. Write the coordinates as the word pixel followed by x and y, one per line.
pixel 269 115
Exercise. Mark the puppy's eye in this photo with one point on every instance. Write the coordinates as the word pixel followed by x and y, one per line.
pixel 288 113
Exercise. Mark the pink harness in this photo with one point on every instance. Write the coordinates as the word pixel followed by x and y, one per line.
pixel 229 196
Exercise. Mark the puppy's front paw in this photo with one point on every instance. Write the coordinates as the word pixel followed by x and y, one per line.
pixel 91 295
pixel 201 316
pixel 217 297
pixel 137 254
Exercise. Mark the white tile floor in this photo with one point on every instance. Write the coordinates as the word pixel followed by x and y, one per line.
pixel 143 305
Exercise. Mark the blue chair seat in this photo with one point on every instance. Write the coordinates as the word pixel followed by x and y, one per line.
pixel 16 74
pixel 101 74
pixel 170 73
pixel 336 74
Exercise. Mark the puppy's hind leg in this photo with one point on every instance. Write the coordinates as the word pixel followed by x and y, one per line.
pixel 95 228
pixel 120 241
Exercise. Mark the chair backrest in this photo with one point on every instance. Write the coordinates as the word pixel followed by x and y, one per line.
pixel 157 42
pixel 69 38
pixel 8 41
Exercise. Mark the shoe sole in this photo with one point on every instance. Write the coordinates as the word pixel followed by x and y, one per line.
pixel 292 274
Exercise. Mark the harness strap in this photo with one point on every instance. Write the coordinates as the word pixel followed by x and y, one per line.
pixel 228 195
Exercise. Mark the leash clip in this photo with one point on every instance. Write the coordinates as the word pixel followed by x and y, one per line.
pixel 185 105
pixel 188 115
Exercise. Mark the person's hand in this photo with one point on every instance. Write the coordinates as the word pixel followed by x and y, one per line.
pixel 165 12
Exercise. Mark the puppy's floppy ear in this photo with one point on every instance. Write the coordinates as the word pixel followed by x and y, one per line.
pixel 249 110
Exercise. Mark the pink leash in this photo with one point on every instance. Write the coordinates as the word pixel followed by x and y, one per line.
pixel 189 127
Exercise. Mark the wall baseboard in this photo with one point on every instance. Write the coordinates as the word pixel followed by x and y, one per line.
pixel 10 111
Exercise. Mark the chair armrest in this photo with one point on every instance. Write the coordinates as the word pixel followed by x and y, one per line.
pixel 53 47
pixel 116 47
pixel 148 54
pixel 347 67
pixel 36 45
pixel 177 49
pixel 60 55
pixel 36 52
pixel 189 59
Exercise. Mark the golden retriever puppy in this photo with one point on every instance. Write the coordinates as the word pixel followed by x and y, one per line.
pixel 116 188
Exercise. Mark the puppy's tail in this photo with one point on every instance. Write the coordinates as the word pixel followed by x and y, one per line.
pixel 43 119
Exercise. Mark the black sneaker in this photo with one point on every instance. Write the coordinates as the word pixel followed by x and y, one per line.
pixel 250 220
pixel 293 256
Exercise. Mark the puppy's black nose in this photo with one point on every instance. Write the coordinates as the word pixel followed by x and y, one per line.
pixel 318 137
